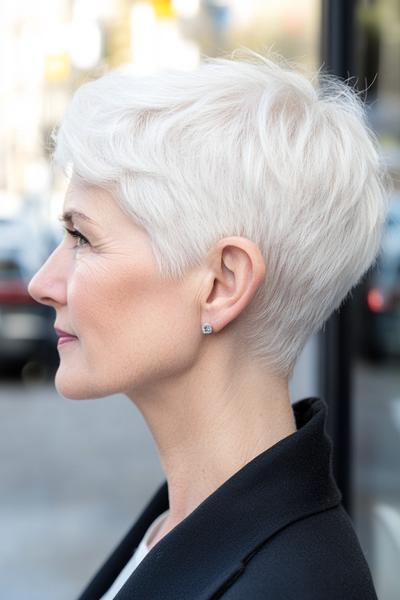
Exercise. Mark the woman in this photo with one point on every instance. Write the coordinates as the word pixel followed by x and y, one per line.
pixel 214 220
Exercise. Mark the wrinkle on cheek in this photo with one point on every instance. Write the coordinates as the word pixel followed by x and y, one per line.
pixel 114 283
pixel 87 267
pixel 106 282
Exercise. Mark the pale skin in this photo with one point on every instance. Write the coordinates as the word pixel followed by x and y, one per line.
pixel 209 409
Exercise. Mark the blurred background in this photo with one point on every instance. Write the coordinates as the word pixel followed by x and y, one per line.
pixel 75 474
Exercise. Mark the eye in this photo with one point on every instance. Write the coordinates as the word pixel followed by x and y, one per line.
pixel 80 239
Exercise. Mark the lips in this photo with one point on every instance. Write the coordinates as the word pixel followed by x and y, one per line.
pixel 64 336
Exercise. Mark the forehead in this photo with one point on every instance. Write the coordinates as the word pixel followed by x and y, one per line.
pixel 98 206
pixel 85 199
pixel 77 188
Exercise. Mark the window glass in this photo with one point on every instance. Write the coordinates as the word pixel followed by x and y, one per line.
pixel 376 393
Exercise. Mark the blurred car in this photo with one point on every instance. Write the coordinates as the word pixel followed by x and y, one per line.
pixel 26 327
pixel 381 323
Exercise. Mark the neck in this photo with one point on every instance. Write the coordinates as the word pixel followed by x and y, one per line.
pixel 207 428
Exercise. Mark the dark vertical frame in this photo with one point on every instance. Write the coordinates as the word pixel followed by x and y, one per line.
pixel 336 339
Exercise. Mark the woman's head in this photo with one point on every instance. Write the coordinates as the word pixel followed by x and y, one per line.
pixel 248 148
pixel 131 325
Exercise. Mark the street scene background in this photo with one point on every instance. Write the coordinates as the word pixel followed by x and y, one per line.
pixel 75 474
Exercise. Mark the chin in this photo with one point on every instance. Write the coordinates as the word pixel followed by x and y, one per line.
pixel 74 388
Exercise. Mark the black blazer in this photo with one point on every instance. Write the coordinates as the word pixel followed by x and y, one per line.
pixel 275 530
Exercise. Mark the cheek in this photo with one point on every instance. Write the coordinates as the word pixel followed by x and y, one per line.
pixel 94 304
pixel 86 302
pixel 132 325
pixel 160 325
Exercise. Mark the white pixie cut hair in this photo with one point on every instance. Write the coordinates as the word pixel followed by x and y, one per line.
pixel 249 147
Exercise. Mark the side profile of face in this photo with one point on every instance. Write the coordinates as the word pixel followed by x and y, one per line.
pixel 130 325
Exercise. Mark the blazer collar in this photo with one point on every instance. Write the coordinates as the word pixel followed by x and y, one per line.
pixel 288 481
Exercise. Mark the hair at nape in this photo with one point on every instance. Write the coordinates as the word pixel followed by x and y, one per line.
pixel 243 145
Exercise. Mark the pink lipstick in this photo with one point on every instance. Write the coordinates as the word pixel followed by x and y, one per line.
pixel 64 336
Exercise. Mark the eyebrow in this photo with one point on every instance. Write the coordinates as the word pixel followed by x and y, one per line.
pixel 68 215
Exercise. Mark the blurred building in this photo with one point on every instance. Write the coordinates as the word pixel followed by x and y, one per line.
pixel 47 49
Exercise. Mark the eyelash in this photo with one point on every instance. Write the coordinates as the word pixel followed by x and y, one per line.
pixel 78 236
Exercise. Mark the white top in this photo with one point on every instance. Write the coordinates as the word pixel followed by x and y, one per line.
pixel 135 559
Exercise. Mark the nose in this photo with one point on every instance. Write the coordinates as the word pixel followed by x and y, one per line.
pixel 48 285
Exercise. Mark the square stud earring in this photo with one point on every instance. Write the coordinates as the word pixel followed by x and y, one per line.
pixel 206 328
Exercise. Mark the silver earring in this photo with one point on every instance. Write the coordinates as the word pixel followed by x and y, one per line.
pixel 206 328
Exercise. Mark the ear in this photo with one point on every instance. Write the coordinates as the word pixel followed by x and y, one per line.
pixel 235 270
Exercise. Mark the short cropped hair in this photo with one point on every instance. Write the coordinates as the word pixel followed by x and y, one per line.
pixel 246 146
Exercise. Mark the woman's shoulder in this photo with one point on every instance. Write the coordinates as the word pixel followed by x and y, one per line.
pixel 316 557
